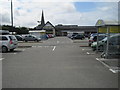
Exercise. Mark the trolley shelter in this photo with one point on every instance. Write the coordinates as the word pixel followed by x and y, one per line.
pixel 108 28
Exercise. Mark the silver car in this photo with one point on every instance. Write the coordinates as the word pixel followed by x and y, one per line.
pixel 31 38
pixel 8 43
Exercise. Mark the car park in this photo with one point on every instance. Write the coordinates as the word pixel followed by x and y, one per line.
pixel 8 43
pixel 31 38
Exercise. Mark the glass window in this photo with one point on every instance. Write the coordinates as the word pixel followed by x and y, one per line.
pixel 4 38
pixel 12 38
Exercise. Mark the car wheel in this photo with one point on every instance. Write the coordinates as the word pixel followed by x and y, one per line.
pixel 4 49
pixel 89 44
pixel 11 50
pixel 93 49
pixel 36 40
pixel 25 40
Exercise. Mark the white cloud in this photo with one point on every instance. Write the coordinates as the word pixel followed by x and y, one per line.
pixel 27 13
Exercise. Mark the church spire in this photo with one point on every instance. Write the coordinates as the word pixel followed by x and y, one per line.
pixel 42 19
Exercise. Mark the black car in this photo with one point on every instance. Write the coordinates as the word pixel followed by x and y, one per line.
pixel 19 37
pixel 78 37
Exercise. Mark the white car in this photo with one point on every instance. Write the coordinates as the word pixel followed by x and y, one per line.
pixel 8 43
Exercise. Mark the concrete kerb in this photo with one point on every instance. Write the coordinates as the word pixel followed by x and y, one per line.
pixel 24 46
pixel 30 42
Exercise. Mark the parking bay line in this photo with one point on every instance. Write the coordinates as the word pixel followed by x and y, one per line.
pixel 21 49
pixel 85 49
pixel 1 59
pixel 10 53
pixel 101 61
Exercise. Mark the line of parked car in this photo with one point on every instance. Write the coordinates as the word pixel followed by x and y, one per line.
pixel 114 43
pixel 30 37
pixel 10 42
pixel 74 36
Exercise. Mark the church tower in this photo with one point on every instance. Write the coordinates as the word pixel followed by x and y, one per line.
pixel 42 22
pixel 42 19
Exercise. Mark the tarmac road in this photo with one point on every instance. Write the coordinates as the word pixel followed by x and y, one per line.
pixel 55 63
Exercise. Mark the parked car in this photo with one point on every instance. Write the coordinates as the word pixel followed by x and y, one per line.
pixel 114 44
pixel 113 48
pixel 50 36
pixel 72 35
pixel 31 38
pixel 8 43
pixel 19 37
pixel 101 45
pixel 94 38
pixel 78 36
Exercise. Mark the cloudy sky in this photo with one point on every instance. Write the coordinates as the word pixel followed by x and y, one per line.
pixel 71 12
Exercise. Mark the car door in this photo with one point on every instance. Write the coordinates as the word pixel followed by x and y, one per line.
pixel 113 45
pixel 32 38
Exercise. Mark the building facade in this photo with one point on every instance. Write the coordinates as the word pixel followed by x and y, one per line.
pixel 63 30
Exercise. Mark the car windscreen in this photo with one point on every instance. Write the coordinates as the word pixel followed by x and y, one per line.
pixel 105 39
pixel 101 37
pixel 3 38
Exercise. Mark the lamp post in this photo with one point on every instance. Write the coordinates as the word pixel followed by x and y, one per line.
pixel 12 16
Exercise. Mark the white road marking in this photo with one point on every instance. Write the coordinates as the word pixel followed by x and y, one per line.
pixel 54 48
pixel 33 46
pixel 58 41
pixel 10 53
pixel 1 59
pixel 14 53
pixel 21 49
pixel 90 53
pixel 112 70
pixel 86 49
pixel 83 49
pixel 103 63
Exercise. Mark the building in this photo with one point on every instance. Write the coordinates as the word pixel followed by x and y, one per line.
pixel 65 29
pixel 48 27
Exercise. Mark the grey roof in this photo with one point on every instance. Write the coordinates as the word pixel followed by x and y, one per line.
pixel 101 22
pixel 75 28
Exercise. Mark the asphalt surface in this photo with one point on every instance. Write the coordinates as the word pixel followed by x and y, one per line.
pixel 56 63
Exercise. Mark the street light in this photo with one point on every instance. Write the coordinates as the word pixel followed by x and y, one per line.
pixel 12 15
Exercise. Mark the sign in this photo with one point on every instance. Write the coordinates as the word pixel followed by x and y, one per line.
pixel 102 30
pixel 113 29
